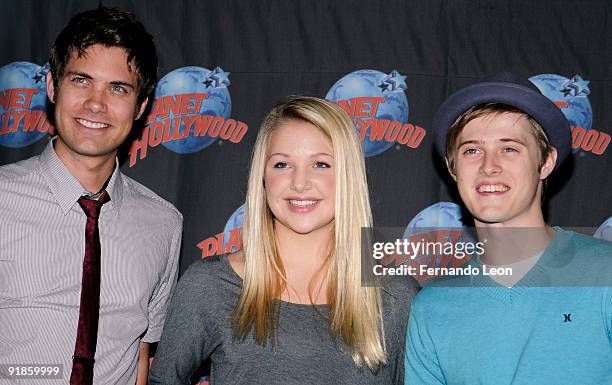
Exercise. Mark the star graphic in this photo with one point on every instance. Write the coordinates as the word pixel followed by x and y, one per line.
pixel 42 73
pixel 384 86
pixel 393 82
pixel 576 86
pixel 217 78
pixel 567 91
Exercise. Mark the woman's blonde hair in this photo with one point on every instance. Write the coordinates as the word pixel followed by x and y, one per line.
pixel 355 311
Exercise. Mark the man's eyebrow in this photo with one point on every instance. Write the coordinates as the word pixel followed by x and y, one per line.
pixel 515 140
pixel 88 76
pixel 471 141
pixel 503 140
pixel 78 73
pixel 120 83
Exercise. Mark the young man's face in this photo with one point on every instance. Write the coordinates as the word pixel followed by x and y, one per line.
pixel 496 170
pixel 95 103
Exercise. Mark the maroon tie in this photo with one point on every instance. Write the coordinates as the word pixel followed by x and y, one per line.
pixel 87 332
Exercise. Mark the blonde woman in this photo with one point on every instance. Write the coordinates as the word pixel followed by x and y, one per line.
pixel 289 308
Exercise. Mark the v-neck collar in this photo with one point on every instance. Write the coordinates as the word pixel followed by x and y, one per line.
pixel 555 256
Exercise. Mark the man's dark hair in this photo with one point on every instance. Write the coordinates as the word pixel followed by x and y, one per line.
pixel 110 28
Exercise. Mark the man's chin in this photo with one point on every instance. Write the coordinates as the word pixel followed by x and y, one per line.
pixel 489 218
pixel 91 151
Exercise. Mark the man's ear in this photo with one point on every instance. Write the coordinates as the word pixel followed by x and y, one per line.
pixel 50 87
pixel 141 109
pixel 450 170
pixel 549 164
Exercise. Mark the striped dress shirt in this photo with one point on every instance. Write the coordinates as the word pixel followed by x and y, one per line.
pixel 42 244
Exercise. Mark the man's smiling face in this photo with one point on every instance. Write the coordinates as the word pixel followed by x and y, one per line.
pixel 95 102
pixel 496 169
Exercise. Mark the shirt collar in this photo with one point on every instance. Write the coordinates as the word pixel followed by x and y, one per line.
pixel 66 189
pixel 555 257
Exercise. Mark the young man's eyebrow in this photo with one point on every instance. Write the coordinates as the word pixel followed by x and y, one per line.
pixel 88 76
pixel 120 83
pixel 503 140
pixel 514 140
pixel 470 141
pixel 78 73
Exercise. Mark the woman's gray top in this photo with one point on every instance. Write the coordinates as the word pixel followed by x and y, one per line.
pixel 198 327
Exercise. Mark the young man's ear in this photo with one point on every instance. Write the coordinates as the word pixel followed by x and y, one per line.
pixel 141 109
pixel 50 87
pixel 450 170
pixel 549 164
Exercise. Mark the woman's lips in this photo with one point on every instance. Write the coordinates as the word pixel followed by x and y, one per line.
pixel 302 205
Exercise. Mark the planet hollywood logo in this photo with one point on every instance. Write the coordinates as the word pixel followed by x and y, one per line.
pixel 571 96
pixel 441 222
pixel 23 104
pixel 229 241
pixel 378 105
pixel 605 230
pixel 191 110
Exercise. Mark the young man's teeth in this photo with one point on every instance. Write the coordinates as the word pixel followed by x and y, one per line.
pixel 492 188
pixel 89 124
pixel 302 203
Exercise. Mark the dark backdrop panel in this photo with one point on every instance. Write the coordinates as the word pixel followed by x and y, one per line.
pixel 276 48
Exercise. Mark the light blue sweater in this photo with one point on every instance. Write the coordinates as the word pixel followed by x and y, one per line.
pixel 493 335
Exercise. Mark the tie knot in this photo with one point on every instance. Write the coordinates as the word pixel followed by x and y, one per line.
pixel 92 207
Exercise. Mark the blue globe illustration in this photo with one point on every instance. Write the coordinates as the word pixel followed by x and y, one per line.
pixel 441 214
pixel 574 102
pixel 367 83
pixel 190 80
pixel 605 230
pixel 234 222
pixel 23 74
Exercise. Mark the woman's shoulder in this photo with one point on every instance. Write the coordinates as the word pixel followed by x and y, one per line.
pixel 210 274
pixel 397 295
pixel 204 267
pixel 399 290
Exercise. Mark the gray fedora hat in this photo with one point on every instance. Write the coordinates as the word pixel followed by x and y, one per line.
pixel 506 88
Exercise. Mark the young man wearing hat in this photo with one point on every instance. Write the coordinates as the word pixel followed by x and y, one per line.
pixel 550 321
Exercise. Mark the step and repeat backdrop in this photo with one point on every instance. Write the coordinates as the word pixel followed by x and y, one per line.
pixel 224 64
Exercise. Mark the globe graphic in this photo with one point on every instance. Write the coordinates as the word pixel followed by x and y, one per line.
pixel 578 108
pixel 605 230
pixel 23 75
pixel 442 215
pixel 190 80
pixel 234 222
pixel 366 83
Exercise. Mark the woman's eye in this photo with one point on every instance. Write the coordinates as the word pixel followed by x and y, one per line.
pixel 321 165
pixel 280 165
